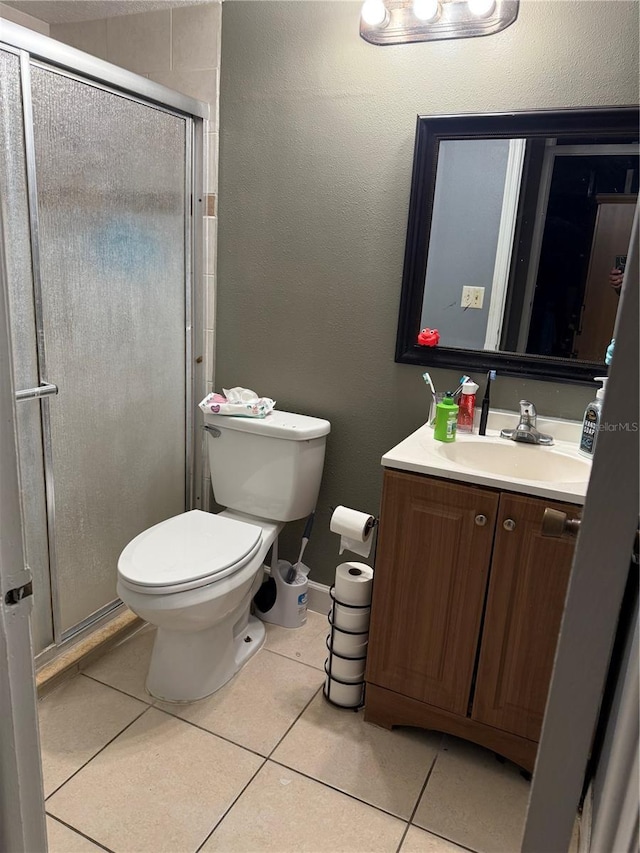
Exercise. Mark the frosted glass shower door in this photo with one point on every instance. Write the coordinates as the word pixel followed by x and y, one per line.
pixel 16 251
pixel 113 230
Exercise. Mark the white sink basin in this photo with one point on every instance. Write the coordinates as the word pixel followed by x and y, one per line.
pixel 506 458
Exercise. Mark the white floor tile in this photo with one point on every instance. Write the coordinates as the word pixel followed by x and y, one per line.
pixel 76 721
pixel 258 705
pixel 160 784
pixel 306 644
pixel 384 768
pixel 125 666
pixel 474 800
pixel 160 787
pixel 284 812
pixel 421 841
pixel 61 839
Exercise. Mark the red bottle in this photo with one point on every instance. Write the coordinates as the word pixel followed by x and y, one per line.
pixel 466 407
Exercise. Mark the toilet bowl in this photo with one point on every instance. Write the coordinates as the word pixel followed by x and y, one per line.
pixel 199 601
pixel 194 575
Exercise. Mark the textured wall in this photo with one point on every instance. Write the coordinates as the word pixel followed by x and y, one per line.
pixel 317 131
pixel 24 19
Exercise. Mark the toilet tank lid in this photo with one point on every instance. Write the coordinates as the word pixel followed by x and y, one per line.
pixel 276 425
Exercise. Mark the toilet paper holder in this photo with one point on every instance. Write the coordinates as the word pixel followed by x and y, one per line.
pixel 328 665
pixel 371 523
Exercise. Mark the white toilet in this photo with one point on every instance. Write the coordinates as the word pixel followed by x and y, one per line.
pixel 194 575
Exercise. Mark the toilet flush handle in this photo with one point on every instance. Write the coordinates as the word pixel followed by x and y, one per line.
pixel 214 432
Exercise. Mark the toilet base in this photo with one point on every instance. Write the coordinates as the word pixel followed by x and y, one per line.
pixel 187 666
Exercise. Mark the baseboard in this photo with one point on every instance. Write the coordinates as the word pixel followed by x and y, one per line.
pixel 92 646
pixel 319 598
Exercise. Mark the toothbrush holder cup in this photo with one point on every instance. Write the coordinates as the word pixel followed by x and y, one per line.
pixel 432 407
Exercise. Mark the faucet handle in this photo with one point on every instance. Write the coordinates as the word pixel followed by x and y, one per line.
pixel 528 414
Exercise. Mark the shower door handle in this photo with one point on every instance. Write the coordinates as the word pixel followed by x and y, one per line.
pixel 45 389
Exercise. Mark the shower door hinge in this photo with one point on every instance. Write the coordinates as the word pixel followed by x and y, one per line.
pixel 16 595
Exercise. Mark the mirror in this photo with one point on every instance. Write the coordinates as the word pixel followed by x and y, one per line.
pixel 515 224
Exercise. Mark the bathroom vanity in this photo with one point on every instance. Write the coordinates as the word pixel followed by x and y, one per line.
pixel 468 594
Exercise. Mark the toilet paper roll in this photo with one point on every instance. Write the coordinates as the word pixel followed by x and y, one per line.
pixel 353 583
pixel 350 619
pixel 354 528
pixel 345 670
pixel 347 695
pixel 349 645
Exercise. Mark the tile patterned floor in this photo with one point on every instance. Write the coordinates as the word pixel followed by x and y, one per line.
pixel 263 765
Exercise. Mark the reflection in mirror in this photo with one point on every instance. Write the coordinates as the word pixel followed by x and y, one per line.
pixel 536 226
pixel 517 222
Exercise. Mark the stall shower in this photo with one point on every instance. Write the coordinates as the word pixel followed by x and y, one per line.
pixel 97 256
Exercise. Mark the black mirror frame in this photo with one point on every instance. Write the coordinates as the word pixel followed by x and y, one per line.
pixel 430 131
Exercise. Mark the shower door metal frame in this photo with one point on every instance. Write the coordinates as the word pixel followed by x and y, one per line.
pixel 41 51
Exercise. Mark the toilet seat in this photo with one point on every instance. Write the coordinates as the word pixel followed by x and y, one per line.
pixel 186 552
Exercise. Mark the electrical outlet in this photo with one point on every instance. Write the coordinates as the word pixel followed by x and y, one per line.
pixel 477 298
pixel 472 297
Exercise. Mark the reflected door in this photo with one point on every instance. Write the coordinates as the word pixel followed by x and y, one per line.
pixel 611 236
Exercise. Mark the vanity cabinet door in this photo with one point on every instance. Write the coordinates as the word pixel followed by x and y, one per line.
pixel 432 564
pixel 527 588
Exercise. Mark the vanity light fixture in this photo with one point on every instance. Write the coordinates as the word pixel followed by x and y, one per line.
pixel 405 21
pixel 426 10
pixel 375 13
pixel 481 8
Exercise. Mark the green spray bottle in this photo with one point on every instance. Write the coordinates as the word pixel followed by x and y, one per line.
pixel 446 419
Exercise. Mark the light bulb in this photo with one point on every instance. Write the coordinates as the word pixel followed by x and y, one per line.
pixel 481 8
pixel 374 13
pixel 426 10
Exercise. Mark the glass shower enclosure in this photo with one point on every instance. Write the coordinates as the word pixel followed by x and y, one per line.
pixel 96 210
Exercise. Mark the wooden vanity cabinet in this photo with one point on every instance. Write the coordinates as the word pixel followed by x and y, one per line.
pixel 467 602
pixel 525 601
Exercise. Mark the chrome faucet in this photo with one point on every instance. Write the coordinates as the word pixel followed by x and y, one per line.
pixel 526 429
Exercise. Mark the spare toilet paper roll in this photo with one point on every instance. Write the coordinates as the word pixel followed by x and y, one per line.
pixel 347 695
pixel 354 528
pixel 349 645
pixel 345 670
pixel 350 619
pixel 353 584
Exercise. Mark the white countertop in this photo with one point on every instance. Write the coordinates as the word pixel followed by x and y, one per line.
pixel 422 454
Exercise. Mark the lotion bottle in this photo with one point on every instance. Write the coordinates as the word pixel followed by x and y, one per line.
pixel 591 421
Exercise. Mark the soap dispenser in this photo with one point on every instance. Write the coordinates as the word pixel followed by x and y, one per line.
pixel 591 421
pixel 446 419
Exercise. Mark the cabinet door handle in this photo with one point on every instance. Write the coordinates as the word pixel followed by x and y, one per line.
pixel 555 523
pixel 509 524
pixel 481 520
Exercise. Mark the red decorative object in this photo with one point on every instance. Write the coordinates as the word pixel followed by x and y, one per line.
pixel 429 338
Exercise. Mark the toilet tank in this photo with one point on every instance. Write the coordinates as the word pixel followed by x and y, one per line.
pixel 268 467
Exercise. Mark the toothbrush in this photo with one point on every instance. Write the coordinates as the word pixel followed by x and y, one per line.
pixel 463 379
pixel 429 381
pixel 484 412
